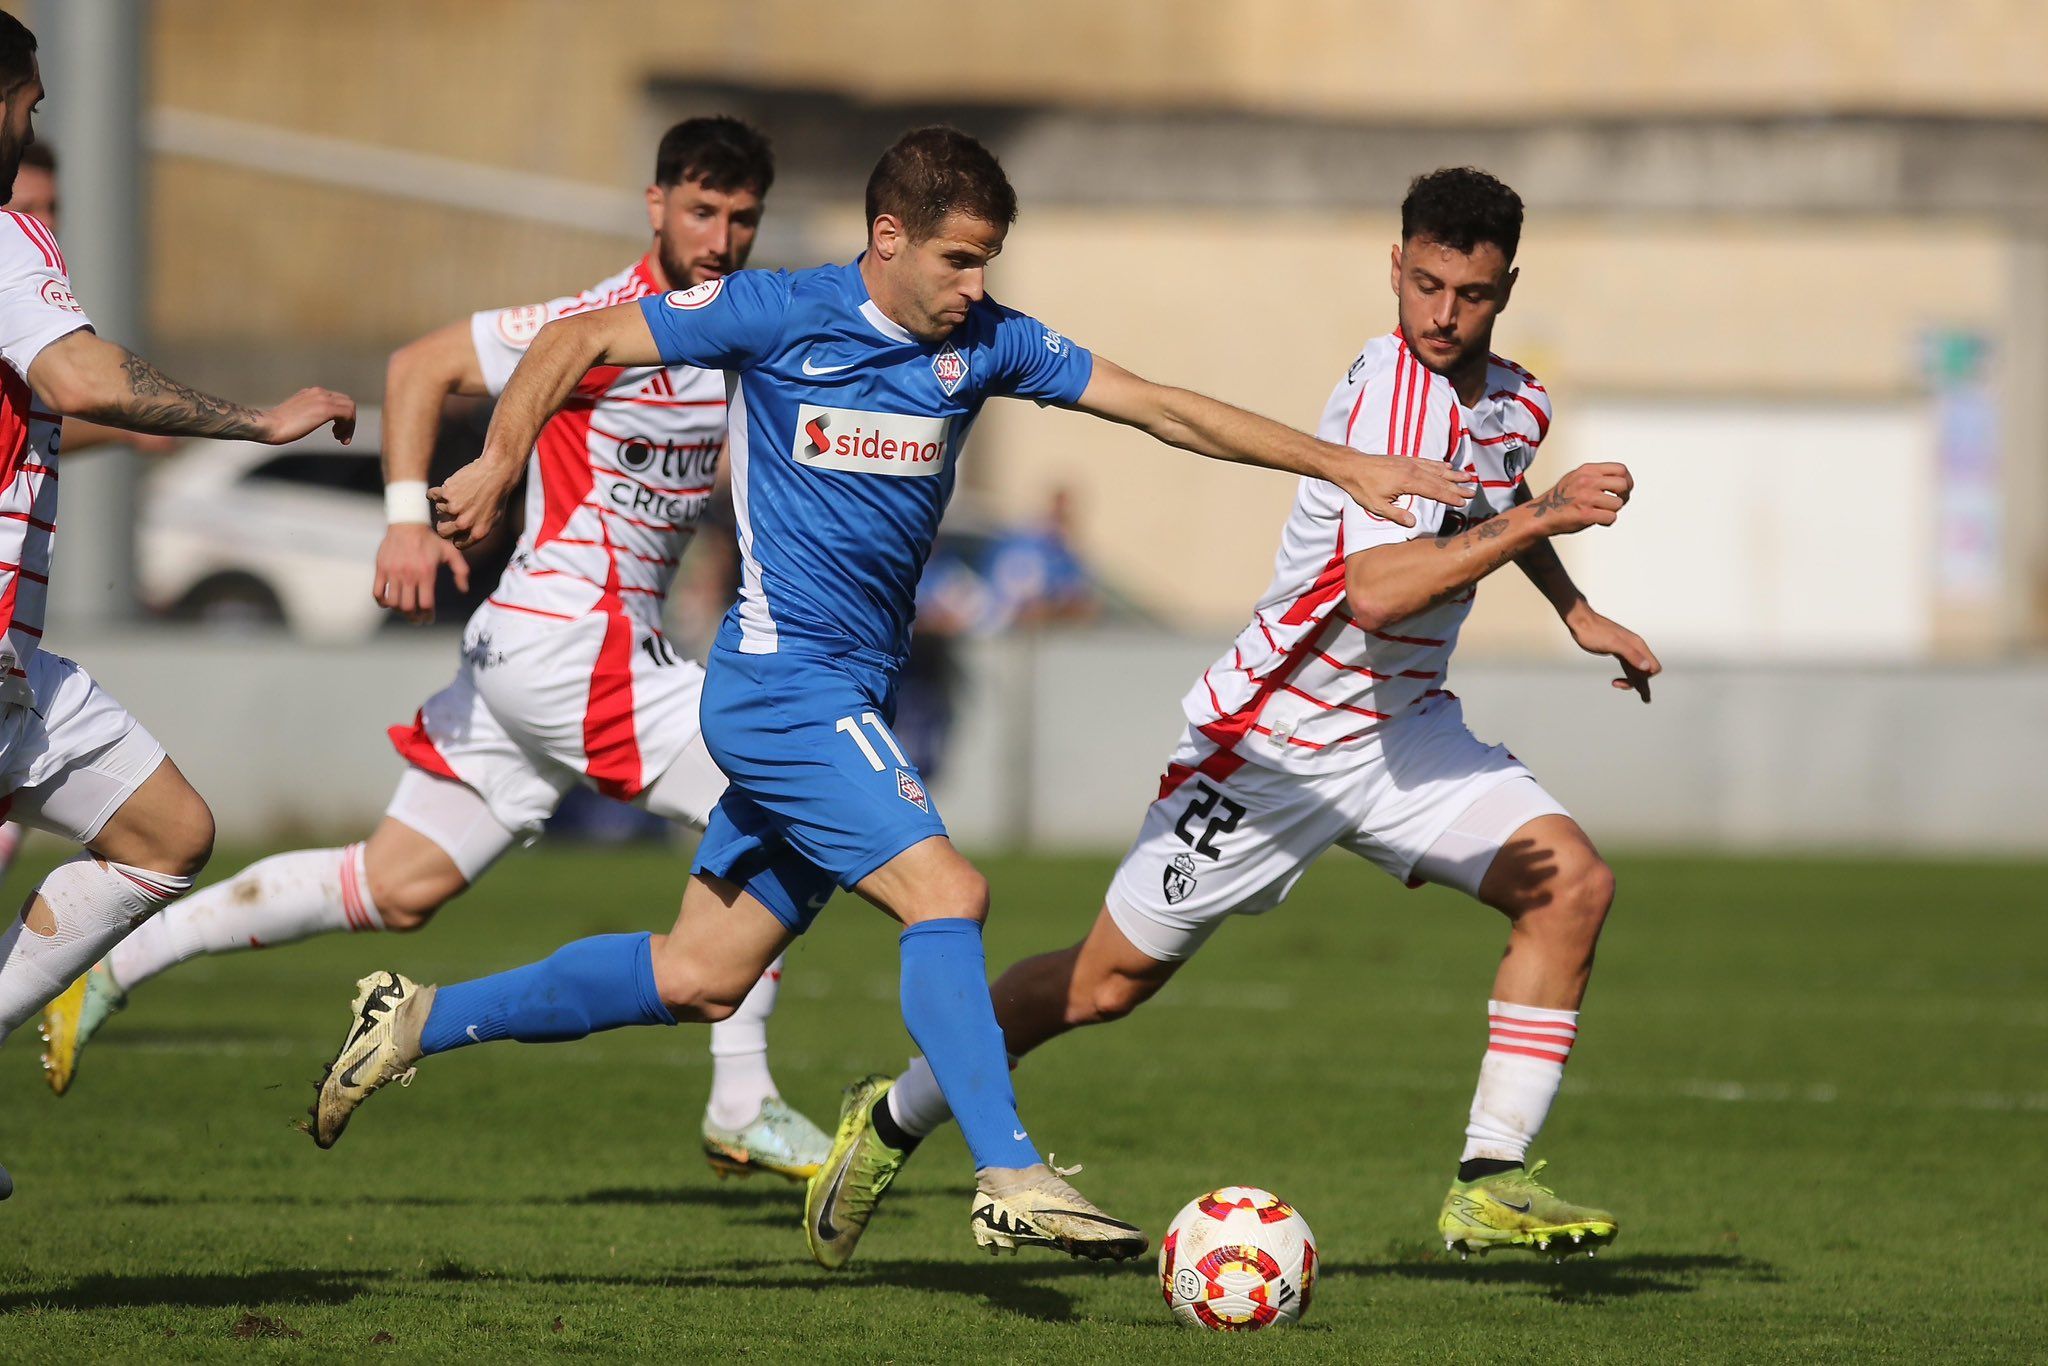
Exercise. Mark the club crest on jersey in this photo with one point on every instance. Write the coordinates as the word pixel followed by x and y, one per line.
pixel 57 296
pixel 1179 879
pixel 911 790
pixel 519 326
pixel 696 296
pixel 951 367
pixel 1514 459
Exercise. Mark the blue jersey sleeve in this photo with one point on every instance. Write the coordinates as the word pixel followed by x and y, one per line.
pixel 723 324
pixel 1033 361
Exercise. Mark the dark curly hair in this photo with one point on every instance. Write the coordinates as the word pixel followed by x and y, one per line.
pixel 1460 207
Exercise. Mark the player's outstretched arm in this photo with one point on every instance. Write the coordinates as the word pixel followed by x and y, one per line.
pixel 419 378
pixel 1388 584
pixel 1207 426
pixel 1591 632
pixel 84 375
pixel 467 507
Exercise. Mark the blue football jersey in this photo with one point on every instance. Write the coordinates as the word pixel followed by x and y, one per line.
pixel 843 433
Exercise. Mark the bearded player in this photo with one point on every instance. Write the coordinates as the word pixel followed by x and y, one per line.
pixel 565 674
pixel 1328 723
pixel 72 760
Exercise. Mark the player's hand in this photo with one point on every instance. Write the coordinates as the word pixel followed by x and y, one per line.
pixel 1597 635
pixel 1591 495
pixel 466 508
pixel 407 563
pixel 308 411
pixel 1382 484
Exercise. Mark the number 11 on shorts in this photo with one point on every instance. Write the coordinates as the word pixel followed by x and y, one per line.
pixel 868 718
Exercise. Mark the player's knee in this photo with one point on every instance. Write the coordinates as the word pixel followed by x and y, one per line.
pixel 963 895
pixel 693 992
pixel 185 836
pixel 1585 891
pixel 1110 998
pixel 405 904
pixel 404 918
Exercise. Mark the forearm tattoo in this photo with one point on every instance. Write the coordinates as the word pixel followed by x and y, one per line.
pixel 157 403
pixel 1492 529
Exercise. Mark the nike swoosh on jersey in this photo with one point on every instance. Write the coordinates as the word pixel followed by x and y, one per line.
pixel 811 369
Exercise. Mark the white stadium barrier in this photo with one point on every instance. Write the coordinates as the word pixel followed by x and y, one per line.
pixel 1061 738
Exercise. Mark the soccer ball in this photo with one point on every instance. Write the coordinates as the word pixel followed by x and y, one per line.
pixel 1237 1259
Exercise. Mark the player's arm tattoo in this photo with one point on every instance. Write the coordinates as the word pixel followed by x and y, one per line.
pixel 1551 501
pixel 1492 529
pixel 153 401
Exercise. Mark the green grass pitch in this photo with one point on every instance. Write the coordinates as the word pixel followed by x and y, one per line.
pixel 1815 1092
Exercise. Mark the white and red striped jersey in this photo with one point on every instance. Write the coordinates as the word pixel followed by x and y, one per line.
pixel 36 308
pixel 1304 684
pixel 618 478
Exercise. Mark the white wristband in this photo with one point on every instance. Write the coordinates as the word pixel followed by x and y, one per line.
pixel 406 501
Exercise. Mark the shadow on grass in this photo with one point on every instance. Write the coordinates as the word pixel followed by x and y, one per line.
pixel 1032 1289
pixel 1615 1276
pixel 198 1291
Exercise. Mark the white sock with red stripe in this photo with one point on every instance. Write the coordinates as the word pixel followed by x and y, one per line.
pixel 281 900
pixel 740 1079
pixel 81 909
pixel 1526 1049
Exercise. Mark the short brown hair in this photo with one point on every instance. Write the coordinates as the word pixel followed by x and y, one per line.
pixel 933 172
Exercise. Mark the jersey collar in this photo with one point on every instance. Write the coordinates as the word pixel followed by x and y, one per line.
pixel 869 309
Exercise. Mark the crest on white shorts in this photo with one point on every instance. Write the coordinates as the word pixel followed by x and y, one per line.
pixel 1179 879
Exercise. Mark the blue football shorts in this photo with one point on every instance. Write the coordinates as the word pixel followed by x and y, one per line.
pixel 821 792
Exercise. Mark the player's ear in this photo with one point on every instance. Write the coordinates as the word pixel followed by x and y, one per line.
pixel 657 200
pixel 1507 288
pixel 885 235
pixel 1394 269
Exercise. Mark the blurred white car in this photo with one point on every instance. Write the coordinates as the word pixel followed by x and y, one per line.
pixel 233 533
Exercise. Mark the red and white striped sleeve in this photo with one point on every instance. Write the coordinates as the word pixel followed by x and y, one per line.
pixel 36 303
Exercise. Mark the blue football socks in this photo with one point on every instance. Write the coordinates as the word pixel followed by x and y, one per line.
pixel 600 983
pixel 947 1009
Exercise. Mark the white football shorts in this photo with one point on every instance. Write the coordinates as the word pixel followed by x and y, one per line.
pixel 1234 839
pixel 69 762
pixel 539 705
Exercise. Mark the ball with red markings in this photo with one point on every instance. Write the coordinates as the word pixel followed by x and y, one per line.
pixel 1238 1259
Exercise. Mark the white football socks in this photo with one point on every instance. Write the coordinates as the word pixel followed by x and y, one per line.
pixel 79 912
pixel 281 900
pixel 740 1079
pixel 1526 1049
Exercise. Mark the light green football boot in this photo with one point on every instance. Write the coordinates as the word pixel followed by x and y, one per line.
pixel 1514 1209
pixel 843 1195
pixel 74 1017
pixel 778 1139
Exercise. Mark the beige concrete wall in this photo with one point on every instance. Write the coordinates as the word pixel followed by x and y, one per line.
pixel 556 78
pixel 1269 314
